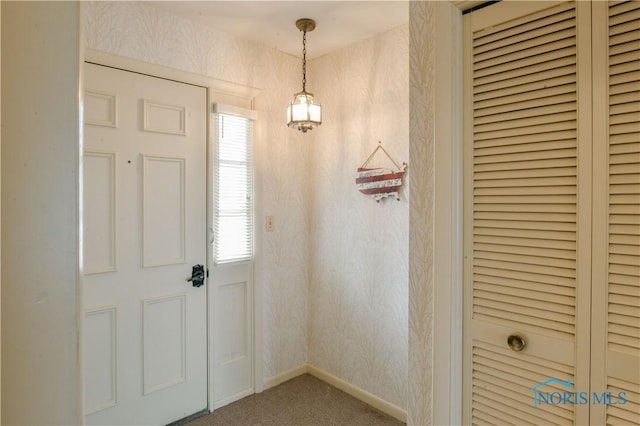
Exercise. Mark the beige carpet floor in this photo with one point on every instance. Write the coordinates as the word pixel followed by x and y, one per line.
pixel 302 401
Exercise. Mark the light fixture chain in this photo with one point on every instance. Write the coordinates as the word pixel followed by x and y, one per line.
pixel 304 61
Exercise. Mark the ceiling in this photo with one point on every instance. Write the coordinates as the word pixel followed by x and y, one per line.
pixel 338 23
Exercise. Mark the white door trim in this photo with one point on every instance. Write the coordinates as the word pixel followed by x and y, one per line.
pixel 223 88
pixel 448 258
pixel 129 64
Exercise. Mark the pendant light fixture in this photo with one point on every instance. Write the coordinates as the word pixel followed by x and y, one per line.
pixel 303 112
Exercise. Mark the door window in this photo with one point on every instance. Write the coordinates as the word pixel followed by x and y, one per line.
pixel 233 197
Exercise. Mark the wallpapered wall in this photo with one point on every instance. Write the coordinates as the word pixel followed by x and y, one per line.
pixel 421 213
pixel 359 248
pixel 135 30
pixel 335 273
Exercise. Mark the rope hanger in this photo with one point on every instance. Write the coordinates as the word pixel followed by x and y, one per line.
pixel 374 153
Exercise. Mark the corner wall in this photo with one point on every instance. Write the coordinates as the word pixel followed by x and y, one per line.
pixel 359 248
pixel 40 159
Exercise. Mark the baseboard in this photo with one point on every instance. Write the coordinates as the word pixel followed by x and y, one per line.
pixel 283 377
pixel 233 398
pixel 356 392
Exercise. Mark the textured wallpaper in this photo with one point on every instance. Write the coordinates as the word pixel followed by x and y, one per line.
pixel 421 213
pixel 359 248
pixel 138 31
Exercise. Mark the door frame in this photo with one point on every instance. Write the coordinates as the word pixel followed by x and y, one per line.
pixel 214 88
pixel 448 213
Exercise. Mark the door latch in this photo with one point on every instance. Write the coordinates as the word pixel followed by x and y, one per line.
pixel 197 276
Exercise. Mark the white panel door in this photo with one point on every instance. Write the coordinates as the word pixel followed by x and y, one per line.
pixel 527 211
pixel 145 332
pixel 232 294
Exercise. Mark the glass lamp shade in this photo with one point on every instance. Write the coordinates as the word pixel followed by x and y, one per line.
pixel 304 113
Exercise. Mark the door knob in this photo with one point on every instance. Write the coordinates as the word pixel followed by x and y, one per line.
pixel 516 342
pixel 197 276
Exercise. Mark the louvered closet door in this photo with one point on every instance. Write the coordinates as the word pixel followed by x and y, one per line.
pixel 616 318
pixel 527 223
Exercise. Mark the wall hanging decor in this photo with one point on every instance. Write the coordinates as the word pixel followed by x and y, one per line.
pixel 380 182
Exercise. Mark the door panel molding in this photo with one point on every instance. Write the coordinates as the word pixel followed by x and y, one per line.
pixel 95 197
pixel 103 342
pixel 165 197
pixel 157 365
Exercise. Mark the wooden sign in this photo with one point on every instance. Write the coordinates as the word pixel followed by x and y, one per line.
pixel 380 182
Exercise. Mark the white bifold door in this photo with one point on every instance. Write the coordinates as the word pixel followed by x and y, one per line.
pixel 552 214
pixel 144 212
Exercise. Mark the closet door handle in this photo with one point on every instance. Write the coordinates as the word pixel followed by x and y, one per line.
pixel 516 342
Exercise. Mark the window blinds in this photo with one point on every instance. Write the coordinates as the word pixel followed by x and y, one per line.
pixel 233 194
